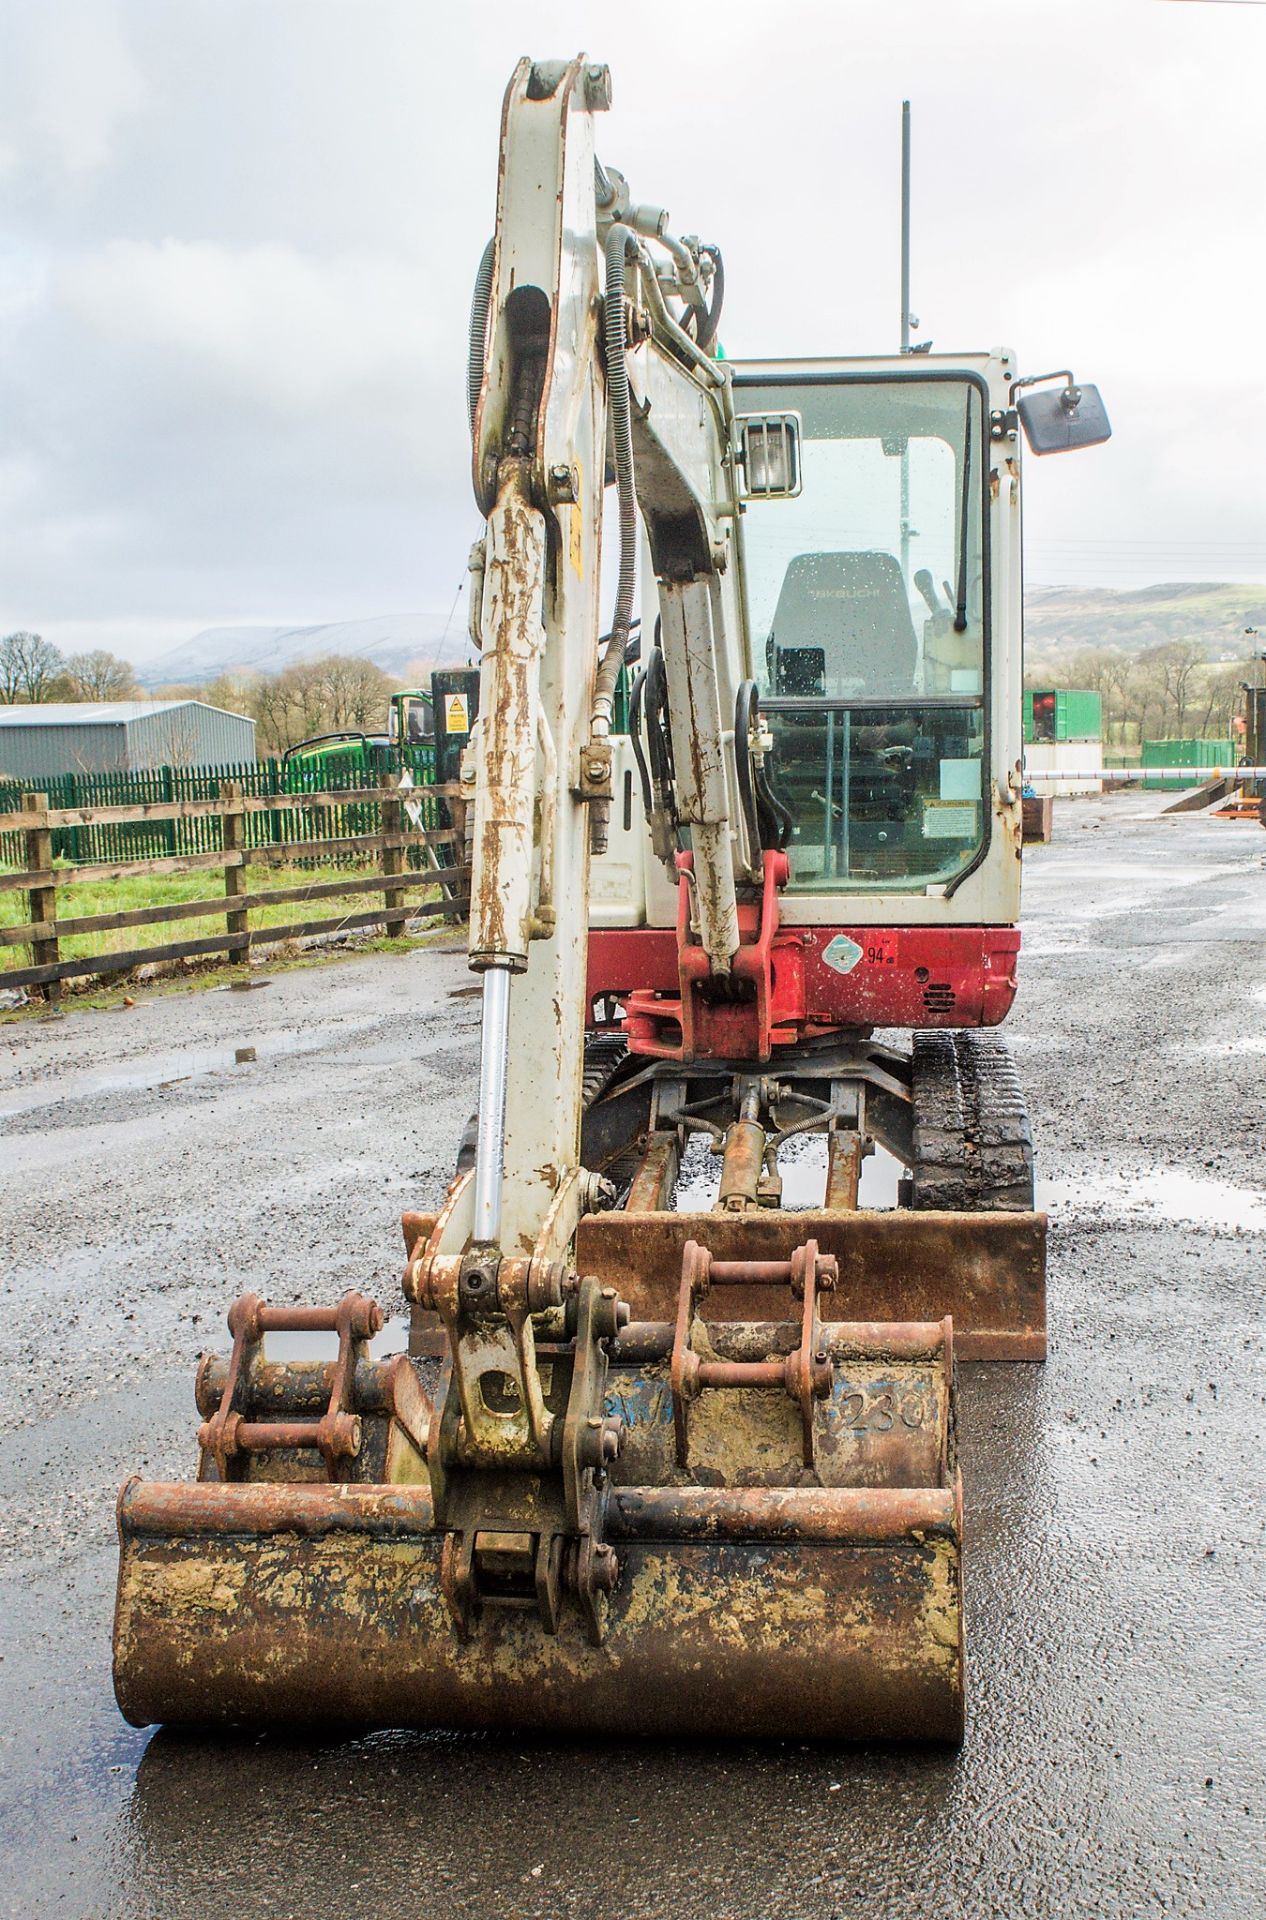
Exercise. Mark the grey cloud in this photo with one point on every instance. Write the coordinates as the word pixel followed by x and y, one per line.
pixel 239 241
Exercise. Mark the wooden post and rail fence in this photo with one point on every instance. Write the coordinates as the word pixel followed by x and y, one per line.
pixel 248 829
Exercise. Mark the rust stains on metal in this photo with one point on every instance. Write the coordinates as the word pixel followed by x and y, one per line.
pixel 843 1170
pixel 656 1175
pixel 838 1624
pixel 417 1228
pixel 742 1167
pixel 505 797
pixel 987 1270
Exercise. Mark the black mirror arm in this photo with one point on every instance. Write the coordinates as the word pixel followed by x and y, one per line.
pixel 1039 379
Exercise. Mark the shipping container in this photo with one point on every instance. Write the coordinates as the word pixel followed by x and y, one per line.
pixel 1062 713
pixel 1205 758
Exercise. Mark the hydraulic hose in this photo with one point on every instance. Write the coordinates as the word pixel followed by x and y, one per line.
pixel 481 300
pixel 621 243
pixel 778 822
pixel 768 822
pixel 708 329
pixel 746 708
pixel 652 711
pixel 636 698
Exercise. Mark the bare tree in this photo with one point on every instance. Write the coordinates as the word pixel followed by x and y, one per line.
pixel 1177 664
pixel 179 737
pixel 1149 695
pixel 356 692
pixel 1221 697
pixel 99 675
pixel 11 669
pixel 29 668
pixel 1121 699
pixel 337 694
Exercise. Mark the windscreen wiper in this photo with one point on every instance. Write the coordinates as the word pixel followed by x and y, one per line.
pixel 960 596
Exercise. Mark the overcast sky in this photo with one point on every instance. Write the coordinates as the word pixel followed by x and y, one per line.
pixel 238 240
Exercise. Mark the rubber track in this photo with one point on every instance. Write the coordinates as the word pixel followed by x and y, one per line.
pixel 603 1054
pixel 973 1146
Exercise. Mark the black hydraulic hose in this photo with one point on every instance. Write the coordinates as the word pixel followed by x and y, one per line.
pixel 778 819
pixel 621 242
pixel 769 824
pixel 709 328
pixel 659 739
pixel 746 706
pixel 696 305
pixel 481 300
pixel 637 697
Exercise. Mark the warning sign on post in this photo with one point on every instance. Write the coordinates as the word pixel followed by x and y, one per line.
pixel 456 713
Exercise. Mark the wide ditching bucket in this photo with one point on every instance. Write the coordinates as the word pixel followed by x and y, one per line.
pixel 578 1520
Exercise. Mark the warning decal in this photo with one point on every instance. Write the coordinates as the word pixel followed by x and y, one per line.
pixel 841 954
pixel 456 713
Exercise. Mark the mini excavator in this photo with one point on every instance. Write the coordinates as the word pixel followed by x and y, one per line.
pixel 658 1460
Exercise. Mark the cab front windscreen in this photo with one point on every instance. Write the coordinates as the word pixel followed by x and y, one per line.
pixel 867 607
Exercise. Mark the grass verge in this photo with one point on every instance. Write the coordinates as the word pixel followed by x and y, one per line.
pixel 152 890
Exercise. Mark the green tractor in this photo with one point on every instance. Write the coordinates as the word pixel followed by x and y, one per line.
pixel 426 731
pixel 355 758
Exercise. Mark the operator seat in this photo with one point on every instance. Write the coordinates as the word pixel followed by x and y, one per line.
pixel 842 627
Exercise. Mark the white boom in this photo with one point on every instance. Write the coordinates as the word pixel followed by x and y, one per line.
pixel 542 749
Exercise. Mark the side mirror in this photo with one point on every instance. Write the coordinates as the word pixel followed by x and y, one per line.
pixel 769 454
pixel 1060 418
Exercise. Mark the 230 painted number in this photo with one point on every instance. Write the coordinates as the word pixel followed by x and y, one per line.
pixel 879 1412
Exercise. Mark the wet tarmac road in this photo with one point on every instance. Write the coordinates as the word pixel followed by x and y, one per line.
pixel 1115 1557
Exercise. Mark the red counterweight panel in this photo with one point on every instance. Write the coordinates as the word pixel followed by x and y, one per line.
pixel 850 976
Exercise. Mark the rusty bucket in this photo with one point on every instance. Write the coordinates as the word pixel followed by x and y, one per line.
pixel 780 1542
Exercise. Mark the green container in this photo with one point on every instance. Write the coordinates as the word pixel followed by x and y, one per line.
pixel 1062 713
pixel 1204 757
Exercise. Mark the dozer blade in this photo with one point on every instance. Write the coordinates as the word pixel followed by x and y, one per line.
pixel 987 1271
pixel 772 1548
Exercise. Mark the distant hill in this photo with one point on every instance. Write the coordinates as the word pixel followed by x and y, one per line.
pixel 1060 620
pixel 395 642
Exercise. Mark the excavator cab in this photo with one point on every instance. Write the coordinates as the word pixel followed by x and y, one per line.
pixel 875 678
pixel 670 1453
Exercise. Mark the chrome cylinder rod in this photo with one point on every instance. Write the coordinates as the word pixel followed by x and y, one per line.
pixel 490 1142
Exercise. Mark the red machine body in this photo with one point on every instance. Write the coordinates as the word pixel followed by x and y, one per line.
pixel 791 983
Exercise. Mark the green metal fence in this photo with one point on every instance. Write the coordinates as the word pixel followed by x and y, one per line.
pixel 153 840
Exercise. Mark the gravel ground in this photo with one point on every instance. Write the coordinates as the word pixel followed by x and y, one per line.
pixel 1116 1577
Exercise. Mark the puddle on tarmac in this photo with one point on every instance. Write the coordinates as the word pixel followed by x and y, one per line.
pixel 155 1070
pixel 1163 1192
pixel 802 1164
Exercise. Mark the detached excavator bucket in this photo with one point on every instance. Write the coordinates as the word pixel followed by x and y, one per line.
pixel 745 1528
